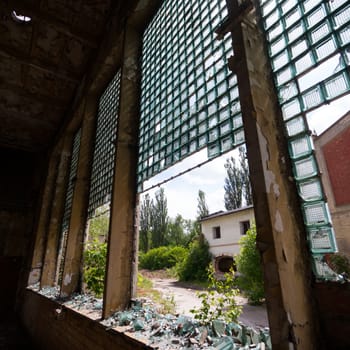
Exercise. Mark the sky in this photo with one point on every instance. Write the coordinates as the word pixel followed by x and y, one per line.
pixel 182 192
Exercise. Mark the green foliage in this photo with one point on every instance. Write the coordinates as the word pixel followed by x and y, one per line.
pixel 193 267
pixel 202 207
pixel 145 223
pixel 218 303
pixel 159 219
pixel 340 263
pixel 98 226
pixel 176 234
pixel 94 266
pixel 237 185
pixel 248 263
pixel 162 257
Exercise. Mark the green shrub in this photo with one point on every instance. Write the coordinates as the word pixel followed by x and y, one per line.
pixel 194 266
pixel 162 257
pixel 219 302
pixel 94 266
pixel 250 279
pixel 340 263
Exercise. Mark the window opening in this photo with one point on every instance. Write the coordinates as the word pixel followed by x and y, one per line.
pixel 244 226
pixel 95 248
pixel 216 232
pixel 68 206
pixel 309 45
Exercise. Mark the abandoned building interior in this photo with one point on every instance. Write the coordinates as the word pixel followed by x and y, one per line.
pixel 98 96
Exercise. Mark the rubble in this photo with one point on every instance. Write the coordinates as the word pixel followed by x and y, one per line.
pixel 169 332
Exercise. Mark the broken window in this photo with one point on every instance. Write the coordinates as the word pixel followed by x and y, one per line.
pixel 308 44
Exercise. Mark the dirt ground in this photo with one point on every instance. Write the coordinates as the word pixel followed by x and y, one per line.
pixel 185 299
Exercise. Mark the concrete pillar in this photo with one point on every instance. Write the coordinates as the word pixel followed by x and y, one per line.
pixel 121 247
pixel 80 202
pixel 54 228
pixel 280 230
pixel 44 217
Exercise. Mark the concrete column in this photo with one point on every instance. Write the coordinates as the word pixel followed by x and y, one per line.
pixel 280 230
pixel 44 218
pixel 54 228
pixel 77 224
pixel 121 248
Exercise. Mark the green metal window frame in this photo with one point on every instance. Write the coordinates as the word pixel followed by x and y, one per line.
pixel 189 98
pixel 104 152
pixel 304 39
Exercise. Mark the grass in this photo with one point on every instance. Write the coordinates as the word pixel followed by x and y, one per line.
pixel 165 305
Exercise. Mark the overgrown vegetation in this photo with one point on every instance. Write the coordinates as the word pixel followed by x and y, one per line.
pixel 218 303
pixel 250 279
pixel 94 266
pixel 162 257
pixel 340 263
pixel 194 266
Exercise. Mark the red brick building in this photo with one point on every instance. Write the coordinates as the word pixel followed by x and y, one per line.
pixel 333 155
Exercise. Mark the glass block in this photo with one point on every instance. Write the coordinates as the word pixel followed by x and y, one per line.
pixel 315 214
pixel 271 19
pixel 225 128
pixel 296 31
pixel 226 143
pixel 305 168
pixel 325 49
pixel 304 63
pixel 336 86
pixel 280 60
pixel 238 137
pixel 291 109
pixel 287 91
pixel 213 150
pixel 292 17
pixel 288 5
pixel 298 48
pixel 268 7
pixel 312 98
pixel 310 190
pixel 320 32
pixel 300 147
pixel 237 121
pixel 213 134
pixel 336 4
pixel 345 35
pixel 295 126
pixel 322 270
pixel 310 4
pixel 342 16
pixel 277 45
pixel 275 31
pixel 284 75
pixel 316 16
pixel 322 240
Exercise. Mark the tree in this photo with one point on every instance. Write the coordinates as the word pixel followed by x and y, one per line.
pixel 159 219
pixel 248 263
pixel 247 188
pixel 233 185
pixel 176 234
pixel 145 223
pixel 202 207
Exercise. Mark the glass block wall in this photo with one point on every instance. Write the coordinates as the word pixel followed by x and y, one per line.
pixel 189 97
pixel 104 153
pixel 71 180
pixel 309 48
pixel 73 168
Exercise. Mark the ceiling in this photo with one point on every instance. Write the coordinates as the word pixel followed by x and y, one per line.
pixel 43 61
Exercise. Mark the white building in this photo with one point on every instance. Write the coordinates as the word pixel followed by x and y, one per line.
pixel 223 231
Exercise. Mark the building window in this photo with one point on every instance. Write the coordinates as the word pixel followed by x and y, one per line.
pixel 216 232
pixel 245 226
